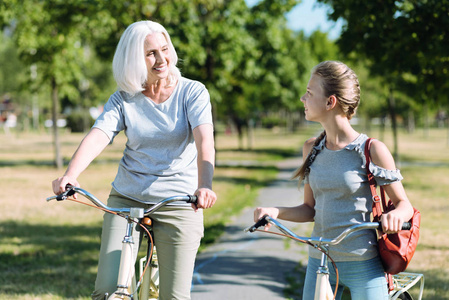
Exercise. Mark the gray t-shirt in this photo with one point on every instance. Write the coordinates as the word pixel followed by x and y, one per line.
pixel 160 157
pixel 343 198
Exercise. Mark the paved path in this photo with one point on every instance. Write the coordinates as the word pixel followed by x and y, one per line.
pixel 252 265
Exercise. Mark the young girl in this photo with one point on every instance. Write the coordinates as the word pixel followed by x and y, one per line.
pixel 336 189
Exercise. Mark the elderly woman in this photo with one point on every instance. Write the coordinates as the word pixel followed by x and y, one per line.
pixel 169 151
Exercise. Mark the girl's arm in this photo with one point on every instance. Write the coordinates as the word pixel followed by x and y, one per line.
pixel 403 212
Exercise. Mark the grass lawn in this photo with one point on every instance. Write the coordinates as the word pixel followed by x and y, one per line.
pixel 50 250
pixel 424 164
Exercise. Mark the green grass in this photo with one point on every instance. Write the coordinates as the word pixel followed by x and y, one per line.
pixel 50 250
pixel 424 163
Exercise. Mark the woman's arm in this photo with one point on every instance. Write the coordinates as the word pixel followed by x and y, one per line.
pixel 204 140
pixel 392 221
pixel 90 147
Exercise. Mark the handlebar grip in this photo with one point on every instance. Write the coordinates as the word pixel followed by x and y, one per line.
pixel 192 199
pixel 69 192
pixel 405 226
pixel 262 222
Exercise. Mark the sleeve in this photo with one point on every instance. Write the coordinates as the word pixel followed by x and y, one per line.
pixel 111 120
pixel 384 176
pixel 199 110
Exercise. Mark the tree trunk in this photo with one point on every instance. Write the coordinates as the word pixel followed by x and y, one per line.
pixel 447 125
pixel 411 121
pixel 239 124
pixel 394 126
pixel 383 121
pixel 426 120
pixel 250 133
pixel 54 115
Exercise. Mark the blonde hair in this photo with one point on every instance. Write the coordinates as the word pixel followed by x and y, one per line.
pixel 129 68
pixel 339 80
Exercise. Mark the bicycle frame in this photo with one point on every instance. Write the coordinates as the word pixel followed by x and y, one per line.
pixel 150 281
pixel 126 283
pixel 323 289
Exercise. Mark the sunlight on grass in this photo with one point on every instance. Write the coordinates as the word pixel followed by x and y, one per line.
pixel 50 250
pixel 53 246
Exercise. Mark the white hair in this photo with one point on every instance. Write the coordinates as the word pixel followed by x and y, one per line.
pixel 128 65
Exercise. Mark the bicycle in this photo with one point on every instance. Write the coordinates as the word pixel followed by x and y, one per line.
pixel 148 285
pixel 323 290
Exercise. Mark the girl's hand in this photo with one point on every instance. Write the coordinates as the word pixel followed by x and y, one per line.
pixel 391 222
pixel 262 211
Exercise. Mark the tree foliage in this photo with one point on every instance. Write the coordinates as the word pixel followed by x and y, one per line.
pixel 248 58
pixel 407 41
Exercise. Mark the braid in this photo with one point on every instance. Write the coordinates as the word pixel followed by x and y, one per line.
pixel 304 170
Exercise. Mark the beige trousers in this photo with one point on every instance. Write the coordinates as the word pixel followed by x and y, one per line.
pixel 177 234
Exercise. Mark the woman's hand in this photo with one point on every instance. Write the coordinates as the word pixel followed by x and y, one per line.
pixel 59 184
pixel 262 211
pixel 206 198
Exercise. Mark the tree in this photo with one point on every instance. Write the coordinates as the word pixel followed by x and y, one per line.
pixel 45 37
pixel 282 60
pixel 402 39
pixel 247 57
pixel 52 36
pixel 223 45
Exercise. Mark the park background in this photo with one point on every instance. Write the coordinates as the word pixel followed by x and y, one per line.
pixel 55 75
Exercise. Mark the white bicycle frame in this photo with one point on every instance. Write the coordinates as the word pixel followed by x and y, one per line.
pixel 323 290
pixel 150 281
pixel 126 281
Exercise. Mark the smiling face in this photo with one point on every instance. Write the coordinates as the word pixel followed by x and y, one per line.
pixel 314 99
pixel 157 57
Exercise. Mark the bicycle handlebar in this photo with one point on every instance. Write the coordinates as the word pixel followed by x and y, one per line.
pixel 71 190
pixel 319 240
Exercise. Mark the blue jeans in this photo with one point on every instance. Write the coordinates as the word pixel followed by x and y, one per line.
pixel 364 279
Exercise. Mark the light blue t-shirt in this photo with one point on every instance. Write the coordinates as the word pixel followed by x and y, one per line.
pixel 342 195
pixel 160 157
